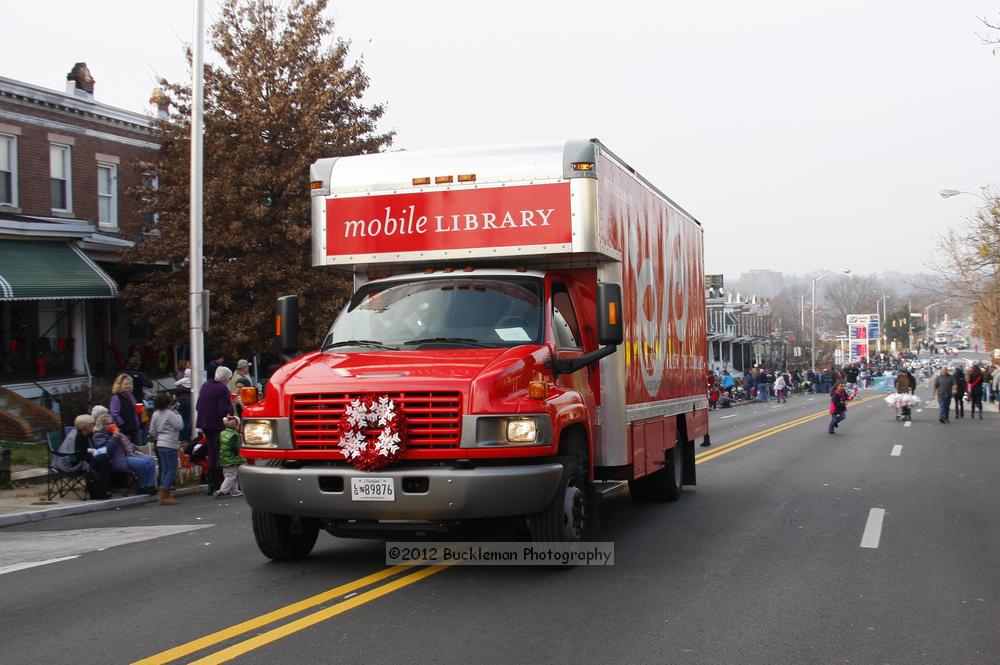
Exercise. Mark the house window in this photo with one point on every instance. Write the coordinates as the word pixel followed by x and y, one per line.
pixel 107 195
pixel 8 170
pixel 60 177
pixel 150 185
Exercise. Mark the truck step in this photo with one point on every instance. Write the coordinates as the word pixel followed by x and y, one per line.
pixel 607 489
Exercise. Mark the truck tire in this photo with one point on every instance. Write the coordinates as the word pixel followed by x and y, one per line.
pixel 278 540
pixel 666 483
pixel 565 519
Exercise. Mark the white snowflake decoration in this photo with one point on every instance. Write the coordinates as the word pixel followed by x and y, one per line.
pixel 353 443
pixel 357 413
pixel 387 443
pixel 383 412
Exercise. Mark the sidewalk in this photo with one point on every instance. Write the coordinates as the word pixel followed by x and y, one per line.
pixel 27 502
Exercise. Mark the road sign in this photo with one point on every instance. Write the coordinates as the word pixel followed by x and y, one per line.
pixel 859 320
pixel 797 351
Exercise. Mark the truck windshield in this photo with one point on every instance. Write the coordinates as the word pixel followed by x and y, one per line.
pixel 455 312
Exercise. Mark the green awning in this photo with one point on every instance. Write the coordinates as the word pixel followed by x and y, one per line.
pixel 31 270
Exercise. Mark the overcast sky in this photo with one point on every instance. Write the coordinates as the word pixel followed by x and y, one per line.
pixel 802 135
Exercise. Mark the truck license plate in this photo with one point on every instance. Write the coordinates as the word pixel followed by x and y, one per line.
pixel 372 489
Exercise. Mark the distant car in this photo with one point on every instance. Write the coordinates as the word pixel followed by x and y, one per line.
pixel 956 325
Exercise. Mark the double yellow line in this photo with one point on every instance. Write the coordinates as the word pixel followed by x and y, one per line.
pixel 726 448
pixel 284 630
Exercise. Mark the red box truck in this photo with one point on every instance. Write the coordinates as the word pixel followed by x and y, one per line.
pixel 527 329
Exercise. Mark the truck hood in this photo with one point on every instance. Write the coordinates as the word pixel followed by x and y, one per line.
pixel 380 371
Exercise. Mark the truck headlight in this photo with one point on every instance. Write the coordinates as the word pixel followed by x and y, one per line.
pixel 258 433
pixel 522 430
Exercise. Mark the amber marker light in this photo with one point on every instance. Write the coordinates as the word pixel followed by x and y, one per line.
pixel 613 313
pixel 277 325
pixel 583 166
pixel 316 184
pixel 443 179
pixel 466 177
pixel 538 390
pixel 248 395
pixel 421 181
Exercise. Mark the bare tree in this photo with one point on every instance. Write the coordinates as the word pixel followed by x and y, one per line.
pixel 969 259
pixel 851 294
pixel 994 39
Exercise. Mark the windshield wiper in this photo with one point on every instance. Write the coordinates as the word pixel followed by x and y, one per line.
pixel 447 340
pixel 360 342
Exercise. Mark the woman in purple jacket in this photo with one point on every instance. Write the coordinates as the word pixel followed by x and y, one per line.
pixel 214 404
pixel 122 409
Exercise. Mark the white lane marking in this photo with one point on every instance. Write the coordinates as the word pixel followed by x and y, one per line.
pixel 897 450
pixel 907 423
pixel 920 410
pixel 23 547
pixel 810 399
pixel 776 406
pixel 732 416
pixel 873 529
pixel 32 564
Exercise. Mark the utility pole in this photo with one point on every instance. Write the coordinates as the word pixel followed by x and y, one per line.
pixel 197 158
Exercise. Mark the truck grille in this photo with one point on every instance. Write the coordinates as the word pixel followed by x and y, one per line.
pixel 433 419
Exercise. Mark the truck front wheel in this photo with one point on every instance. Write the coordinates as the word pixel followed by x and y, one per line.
pixel 283 538
pixel 564 520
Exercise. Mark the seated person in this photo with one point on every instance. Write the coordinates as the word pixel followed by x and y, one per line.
pixel 73 451
pixel 123 455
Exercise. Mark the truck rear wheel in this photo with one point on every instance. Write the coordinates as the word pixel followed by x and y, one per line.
pixel 665 484
pixel 283 538
pixel 565 519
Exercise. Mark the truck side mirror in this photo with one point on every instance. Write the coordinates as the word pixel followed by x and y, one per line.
pixel 610 330
pixel 286 324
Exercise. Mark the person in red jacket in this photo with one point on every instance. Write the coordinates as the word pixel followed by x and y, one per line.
pixel 213 406
pixel 974 384
pixel 838 406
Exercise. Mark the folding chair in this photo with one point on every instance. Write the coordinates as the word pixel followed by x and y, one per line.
pixel 67 474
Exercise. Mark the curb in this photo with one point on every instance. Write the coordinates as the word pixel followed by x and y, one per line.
pixel 13 519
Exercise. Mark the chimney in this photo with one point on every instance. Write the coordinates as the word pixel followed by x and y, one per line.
pixel 162 103
pixel 79 82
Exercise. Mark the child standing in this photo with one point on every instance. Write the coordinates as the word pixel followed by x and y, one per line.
pixel 164 428
pixel 229 457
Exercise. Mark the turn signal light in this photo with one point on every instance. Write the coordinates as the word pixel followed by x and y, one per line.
pixel 612 314
pixel 277 325
pixel 538 390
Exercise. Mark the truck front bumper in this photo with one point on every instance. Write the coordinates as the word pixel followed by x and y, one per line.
pixel 448 494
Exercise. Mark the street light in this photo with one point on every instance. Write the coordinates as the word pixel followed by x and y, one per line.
pixel 881 320
pixel 948 193
pixel 812 345
pixel 927 321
